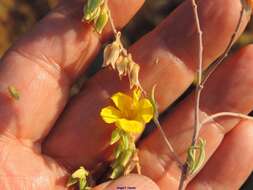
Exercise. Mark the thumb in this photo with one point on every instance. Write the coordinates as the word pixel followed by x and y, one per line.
pixel 130 182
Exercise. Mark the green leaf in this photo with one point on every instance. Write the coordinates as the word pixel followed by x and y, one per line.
pixel 102 20
pixel 115 136
pixel 125 157
pixel 14 92
pixel 196 156
pixel 118 150
pixel 92 9
pixel 125 141
pixel 117 172
pixel 82 184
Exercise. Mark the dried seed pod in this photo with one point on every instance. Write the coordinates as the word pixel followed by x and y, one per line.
pixel 122 65
pixel 134 76
pixel 112 53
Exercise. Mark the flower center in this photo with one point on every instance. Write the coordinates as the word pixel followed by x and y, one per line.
pixel 131 112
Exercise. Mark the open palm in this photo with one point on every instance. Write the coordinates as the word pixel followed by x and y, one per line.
pixel 40 144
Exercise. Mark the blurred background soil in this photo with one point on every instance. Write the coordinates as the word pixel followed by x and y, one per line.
pixel 18 16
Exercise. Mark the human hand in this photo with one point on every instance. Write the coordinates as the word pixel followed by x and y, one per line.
pixel 39 144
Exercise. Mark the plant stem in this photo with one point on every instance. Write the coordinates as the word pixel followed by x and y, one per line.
pixel 199 88
pixel 111 20
pixel 222 114
pixel 174 154
pixel 220 59
pixel 201 83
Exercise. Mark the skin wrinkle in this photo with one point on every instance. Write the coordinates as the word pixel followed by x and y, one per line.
pixel 3 153
pixel 51 68
pixel 203 186
pixel 240 139
pixel 43 181
pixel 165 157
pixel 51 144
pixel 47 68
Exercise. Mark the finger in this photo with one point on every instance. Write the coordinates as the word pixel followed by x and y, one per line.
pixel 24 168
pixel 81 138
pixel 135 182
pixel 227 90
pixel 231 164
pixel 43 64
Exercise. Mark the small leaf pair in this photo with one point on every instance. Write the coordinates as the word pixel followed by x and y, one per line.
pixel 196 156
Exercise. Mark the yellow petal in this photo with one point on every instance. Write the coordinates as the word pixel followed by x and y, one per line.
pixel 136 94
pixel 146 110
pixel 121 101
pixel 110 114
pixel 130 126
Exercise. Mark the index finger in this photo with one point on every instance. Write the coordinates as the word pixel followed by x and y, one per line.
pixel 43 64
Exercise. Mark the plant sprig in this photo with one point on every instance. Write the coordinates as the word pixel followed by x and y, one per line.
pixel 123 154
pixel 126 121
pixel 97 13
pixel 79 177
pixel 192 164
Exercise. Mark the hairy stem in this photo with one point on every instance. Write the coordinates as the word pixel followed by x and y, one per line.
pixel 220 59
pixel 224 114
pixel 199 88
pixel 201 83
pixel 111 20
pixel 174 154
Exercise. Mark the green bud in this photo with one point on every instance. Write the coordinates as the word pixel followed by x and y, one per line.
pixel 115 136
pixel 79 176
pixel 101 20
pixel 14 92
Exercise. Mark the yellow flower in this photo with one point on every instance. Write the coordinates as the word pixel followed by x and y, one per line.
pixel 130 113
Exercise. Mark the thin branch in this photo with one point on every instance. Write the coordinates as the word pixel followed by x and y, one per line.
pixel 174 154
pixel 199 88
pixel 111 20
pixel 223 114
pixel 220 59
